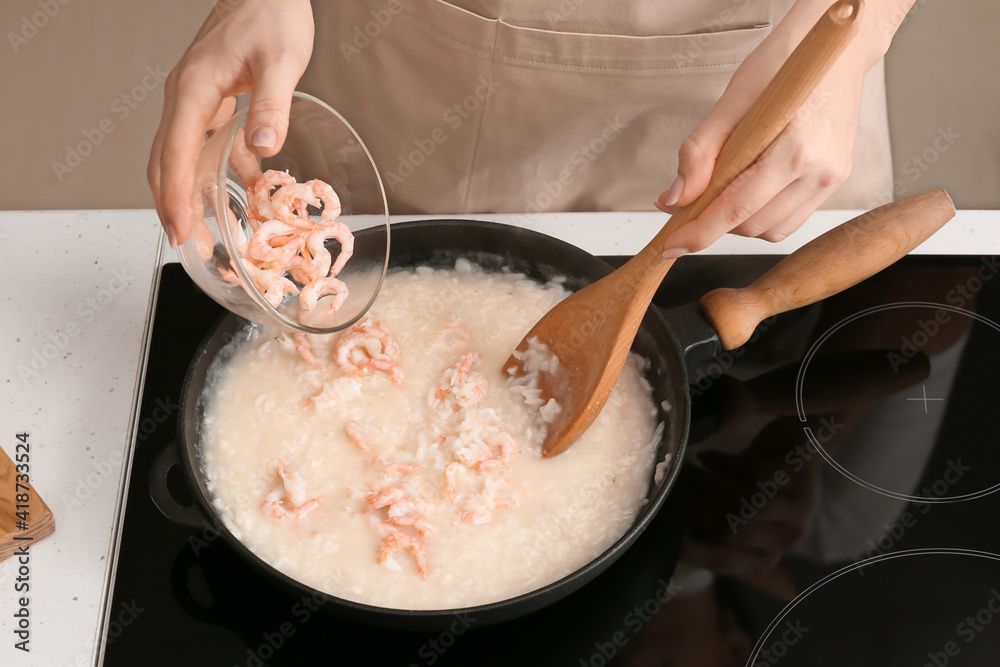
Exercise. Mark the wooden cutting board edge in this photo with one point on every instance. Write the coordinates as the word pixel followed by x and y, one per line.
pixel 41 522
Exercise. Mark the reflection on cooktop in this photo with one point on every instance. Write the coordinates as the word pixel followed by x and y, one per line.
pixel 834 508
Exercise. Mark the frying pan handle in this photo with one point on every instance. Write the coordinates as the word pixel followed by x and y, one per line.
pixel 771 112
pixel 159 492
pixel 840 258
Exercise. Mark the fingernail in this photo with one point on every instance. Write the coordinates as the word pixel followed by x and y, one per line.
pixel 264 137
pixel 171 236
pixel 676 188
pixel 674 253
pixel 662 207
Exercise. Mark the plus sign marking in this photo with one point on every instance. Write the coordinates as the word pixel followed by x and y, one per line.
pixel 924 398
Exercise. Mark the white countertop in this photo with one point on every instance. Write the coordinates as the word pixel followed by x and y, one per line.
pixel 76 304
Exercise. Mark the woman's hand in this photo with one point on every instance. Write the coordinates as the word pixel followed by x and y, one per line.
pixel 804 165
pixel 261 46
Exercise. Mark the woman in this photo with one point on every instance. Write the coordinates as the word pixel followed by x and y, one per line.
pixel 529 106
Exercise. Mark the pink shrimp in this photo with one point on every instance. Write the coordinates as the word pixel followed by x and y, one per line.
pixel 293 492
pixel 334 393
pixel 315 263
pixel 259 197
pixel 368 346
pixel 504 442
pixel 331 202
pixel 271 285
pixel 333 230
pixel 290 204
pixel 398 468
pixel 304 348
pixel 390 368
pixel 317 289
pixel 478 517
pixel 397 541
pixel 424 529
pixel 467 388
pixel 353 430
pixel 275 242
pixel 451 478
pixel 380 500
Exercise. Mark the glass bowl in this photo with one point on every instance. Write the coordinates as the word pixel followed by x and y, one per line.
pixel 320 145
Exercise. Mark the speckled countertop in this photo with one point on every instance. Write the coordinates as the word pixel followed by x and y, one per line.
pixel 78 288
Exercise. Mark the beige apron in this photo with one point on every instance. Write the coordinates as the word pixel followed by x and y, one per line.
pixel 546 105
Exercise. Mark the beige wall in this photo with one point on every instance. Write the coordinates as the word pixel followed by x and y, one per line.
pixel 69 77
pixel 72 73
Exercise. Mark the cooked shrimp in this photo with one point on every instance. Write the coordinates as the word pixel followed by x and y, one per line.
pixel 398 468
pixel 272 286
pixel 317 289
pixel 368 346
pixel 259 197
pixel 304 348
pixel 306 269
pixel 275 242
pixel 402 541
pixel 504 443
pixel 390 368
pixel 331 202
pixel 481 516
pixel 333 230
pixel 293 492
pixel 462 385
pixel 408 506
pixel 334 393
pixel 353 430
pixel 451 478
pixel 380 500
pixel 290 204
pixel 424 529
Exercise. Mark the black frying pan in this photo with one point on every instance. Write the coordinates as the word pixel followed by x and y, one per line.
pixel 687 339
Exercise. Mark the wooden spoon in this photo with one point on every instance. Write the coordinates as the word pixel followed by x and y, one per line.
pixel 592 330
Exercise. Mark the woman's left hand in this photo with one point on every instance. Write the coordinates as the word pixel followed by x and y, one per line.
pixel 804 165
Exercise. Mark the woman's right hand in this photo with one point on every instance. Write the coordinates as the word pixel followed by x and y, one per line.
pixel 259 46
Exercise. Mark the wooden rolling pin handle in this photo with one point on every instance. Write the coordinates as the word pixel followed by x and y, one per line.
pixel 840 258
pixel 774 109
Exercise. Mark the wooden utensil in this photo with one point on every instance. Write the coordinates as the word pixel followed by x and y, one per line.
pixel 40 521
pixel 592 330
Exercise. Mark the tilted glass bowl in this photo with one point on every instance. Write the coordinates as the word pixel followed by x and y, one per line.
pixel 320 145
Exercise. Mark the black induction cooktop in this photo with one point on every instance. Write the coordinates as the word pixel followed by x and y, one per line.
pixel 836 507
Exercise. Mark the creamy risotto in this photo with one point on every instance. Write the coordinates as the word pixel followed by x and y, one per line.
pixel 394 464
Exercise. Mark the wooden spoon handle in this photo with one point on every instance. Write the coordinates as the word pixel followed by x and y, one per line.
pixel 774 109
pixel 840 258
